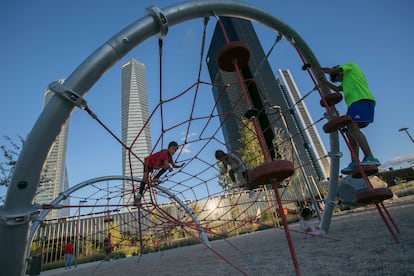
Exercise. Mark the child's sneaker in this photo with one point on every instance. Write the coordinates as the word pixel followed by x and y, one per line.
pixel 370 161
pixel 349 169
pixel 156 181
pixel 138 199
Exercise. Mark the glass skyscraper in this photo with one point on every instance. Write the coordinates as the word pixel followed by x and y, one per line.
pixel 134 106
pixel 54 178
pixel 315 147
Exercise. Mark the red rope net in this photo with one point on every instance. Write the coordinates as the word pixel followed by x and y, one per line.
pixel 223 209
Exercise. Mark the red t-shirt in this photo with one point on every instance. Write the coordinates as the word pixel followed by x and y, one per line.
pixel 68 249
pixel 157 159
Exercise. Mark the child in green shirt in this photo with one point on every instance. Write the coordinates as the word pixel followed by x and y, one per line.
pixel 361 104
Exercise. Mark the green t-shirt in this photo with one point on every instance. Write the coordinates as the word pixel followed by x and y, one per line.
pixel 354 84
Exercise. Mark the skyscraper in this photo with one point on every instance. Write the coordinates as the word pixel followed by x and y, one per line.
pixel 230 99
pixel 264 91
pixel 315 147
pixel 54 178
pixel 134 106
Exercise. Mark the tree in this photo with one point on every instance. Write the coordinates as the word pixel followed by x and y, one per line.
pixel 116 236
pixel 224 179
pixel 282 145
pixel 10 154
pixel 11 151
pixel 251 152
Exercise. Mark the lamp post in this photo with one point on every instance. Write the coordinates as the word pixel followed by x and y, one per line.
pixel 406 130
pixel 78 231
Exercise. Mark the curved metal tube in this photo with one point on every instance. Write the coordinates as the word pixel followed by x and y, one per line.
pixel 69 191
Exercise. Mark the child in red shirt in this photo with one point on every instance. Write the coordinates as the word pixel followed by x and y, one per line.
pixel 68 252
pixel 159 160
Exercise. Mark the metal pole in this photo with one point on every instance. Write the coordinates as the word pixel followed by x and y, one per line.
pixel 78 232
pixel 406 131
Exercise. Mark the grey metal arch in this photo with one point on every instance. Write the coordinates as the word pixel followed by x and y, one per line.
pixel 18 210
pixel 65 194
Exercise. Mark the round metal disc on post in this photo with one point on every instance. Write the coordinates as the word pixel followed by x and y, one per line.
pixel 269 171
pixel 337 123
pixel 368 170
pixel 372 196
pixel 331 99
pixel 251 113
pixel 233 52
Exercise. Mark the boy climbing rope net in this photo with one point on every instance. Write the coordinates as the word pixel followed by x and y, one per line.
pixel 159 160
pixel 237 166
pixel 360 103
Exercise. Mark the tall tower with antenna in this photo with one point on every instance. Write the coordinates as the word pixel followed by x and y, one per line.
pixel 135 130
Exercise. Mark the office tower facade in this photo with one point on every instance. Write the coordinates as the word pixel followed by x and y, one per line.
pixel 134 106
pixel 313 141
pixel 230 100
pixel 264 92
pixel 54 178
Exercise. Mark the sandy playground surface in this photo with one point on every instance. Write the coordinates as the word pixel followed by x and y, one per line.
pixel 358 243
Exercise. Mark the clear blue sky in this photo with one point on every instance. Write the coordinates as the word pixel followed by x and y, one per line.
pixel 46 40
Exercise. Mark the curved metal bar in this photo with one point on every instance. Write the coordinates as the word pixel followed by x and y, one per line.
pixel 18 206
pixel 65 194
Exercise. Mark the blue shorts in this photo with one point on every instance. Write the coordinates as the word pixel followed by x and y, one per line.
pixel 362 112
